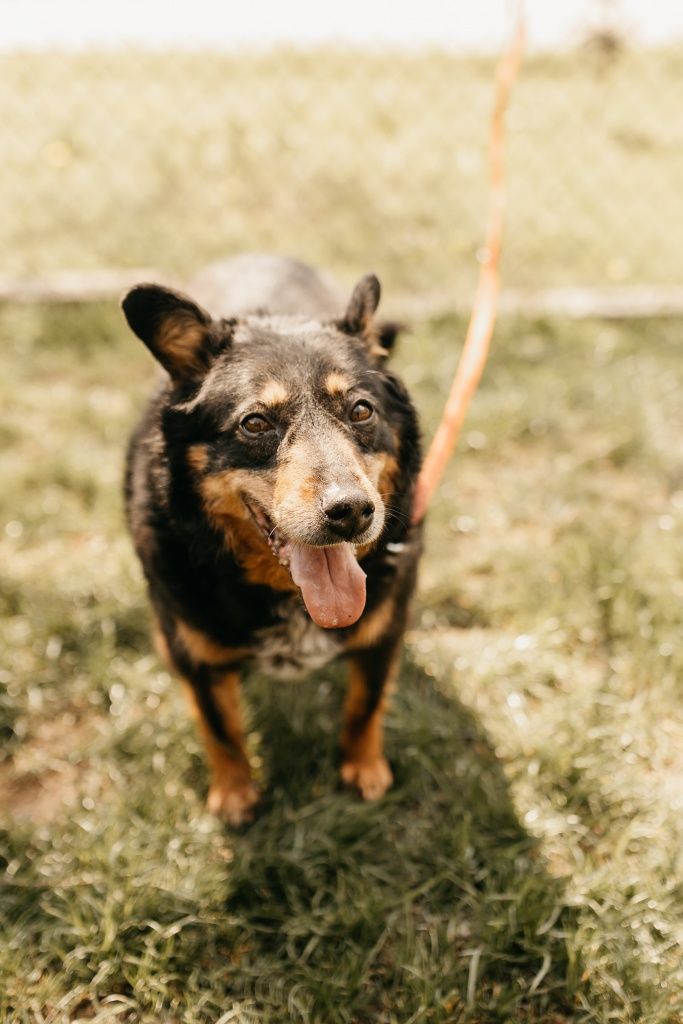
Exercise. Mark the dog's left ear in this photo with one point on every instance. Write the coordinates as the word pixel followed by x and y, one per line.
pixel 359 319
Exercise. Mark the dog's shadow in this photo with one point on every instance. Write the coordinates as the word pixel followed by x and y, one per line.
pixel 434 896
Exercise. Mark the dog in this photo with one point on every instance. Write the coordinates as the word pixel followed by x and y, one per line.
pixel 268 492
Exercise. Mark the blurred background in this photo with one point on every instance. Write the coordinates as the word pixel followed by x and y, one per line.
pixel 527 867
pixel 353 136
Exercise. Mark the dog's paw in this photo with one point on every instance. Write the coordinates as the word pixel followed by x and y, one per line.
pixel 371 778
pixel 235 803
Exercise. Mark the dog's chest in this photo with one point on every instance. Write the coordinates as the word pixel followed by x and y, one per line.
pixel 294 645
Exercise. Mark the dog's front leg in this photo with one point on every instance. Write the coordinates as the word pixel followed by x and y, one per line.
pixel 214 697
pixel 371 677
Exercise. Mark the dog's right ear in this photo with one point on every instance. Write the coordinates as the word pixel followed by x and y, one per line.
pixel 174 328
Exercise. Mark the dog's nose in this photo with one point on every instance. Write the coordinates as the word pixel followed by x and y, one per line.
pixel 348 513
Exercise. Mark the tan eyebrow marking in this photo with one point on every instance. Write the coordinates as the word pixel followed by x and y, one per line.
pixel 336 383
pixel 273 393
pixel 198 457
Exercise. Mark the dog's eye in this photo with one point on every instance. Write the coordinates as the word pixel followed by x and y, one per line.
pixel 255 424
pixel 361 412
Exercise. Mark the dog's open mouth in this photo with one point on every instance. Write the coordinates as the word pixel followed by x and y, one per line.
pixel 331 581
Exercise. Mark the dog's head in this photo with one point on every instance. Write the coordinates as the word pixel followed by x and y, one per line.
pixel 289 432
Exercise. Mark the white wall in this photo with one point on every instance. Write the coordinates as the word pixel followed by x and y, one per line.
pixel 462 24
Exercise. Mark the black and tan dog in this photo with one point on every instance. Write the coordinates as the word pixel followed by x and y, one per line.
pixel 275 463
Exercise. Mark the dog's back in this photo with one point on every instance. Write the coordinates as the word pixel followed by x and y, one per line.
pixel 254 282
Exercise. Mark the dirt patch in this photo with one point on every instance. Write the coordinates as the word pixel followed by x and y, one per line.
pixel 39 799
pixel 50 772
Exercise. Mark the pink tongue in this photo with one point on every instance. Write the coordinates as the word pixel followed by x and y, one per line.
pixel 332 583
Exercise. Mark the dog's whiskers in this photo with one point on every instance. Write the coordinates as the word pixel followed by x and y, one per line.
pixel 397 514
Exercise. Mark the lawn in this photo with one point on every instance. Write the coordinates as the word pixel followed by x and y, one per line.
pixel 526 867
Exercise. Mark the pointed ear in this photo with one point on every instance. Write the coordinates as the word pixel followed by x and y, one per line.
pixel 359 318
pixel 362 305
pixel 174 329
pixel 378 335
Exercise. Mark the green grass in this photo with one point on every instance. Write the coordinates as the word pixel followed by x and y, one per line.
pixel 527 865
pixel 374 160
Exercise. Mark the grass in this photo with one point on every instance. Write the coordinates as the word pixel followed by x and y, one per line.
pixel 374 160
pixel 527 865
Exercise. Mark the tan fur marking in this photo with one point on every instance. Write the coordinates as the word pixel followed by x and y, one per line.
pixel 378 351
pixel 294 475
pixel 294 496
pixel 232 794
pixel 181 339
pixel 161 645
pixel 362 733
pixel 255 557
pixel 371 338
pixel 274 393
pixel 364 765
pixel 309 488
pixel 220 495
pixel 203 650
pixel 222 503
pixel 336 383
pixel 372 626
pixel 198 458
pixel 382 468
pixel 387 480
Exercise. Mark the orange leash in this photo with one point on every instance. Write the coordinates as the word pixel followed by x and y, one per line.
pixel 483 318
